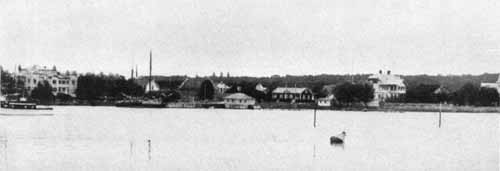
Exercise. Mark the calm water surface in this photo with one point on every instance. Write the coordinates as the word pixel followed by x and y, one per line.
pixel 109 138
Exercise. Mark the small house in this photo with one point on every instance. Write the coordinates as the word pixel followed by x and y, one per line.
pixel 239 101
pixel 222 88
pixel 326 101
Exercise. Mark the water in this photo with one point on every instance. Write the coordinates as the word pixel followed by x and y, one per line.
pixel 109 138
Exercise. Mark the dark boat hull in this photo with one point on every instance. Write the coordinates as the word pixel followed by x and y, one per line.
pixel 19 105
pixel 140 104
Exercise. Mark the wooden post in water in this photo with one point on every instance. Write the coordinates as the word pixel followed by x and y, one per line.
pixel 439 115
pixel 149 149
pixel 314 122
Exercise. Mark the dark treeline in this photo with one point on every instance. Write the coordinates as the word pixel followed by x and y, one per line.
pixel 420 88
pixel 456 89
pixel 10 85
pixel 467 95
pixel 471 94
pixel 101 87
pixel 348 93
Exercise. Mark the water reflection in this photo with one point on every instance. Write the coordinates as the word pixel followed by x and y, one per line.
pixel 341 145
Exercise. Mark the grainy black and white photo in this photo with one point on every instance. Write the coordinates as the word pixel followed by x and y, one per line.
pixel 235 85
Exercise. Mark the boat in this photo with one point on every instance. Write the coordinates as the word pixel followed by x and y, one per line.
pixel 128 103
pixel 19 105
pixel 153 103
pixel 144 102
pixel 338 139
pixel 16 102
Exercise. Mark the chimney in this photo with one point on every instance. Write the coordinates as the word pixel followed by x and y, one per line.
pixel 380 71
pixel 389 72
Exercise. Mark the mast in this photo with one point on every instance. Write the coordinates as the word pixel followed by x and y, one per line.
pixel 150 68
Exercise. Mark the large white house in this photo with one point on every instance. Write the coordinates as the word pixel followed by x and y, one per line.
pixel 65 83
pixel 386 86
pixel 493 85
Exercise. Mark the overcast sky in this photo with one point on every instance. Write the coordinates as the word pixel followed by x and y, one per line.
pixel 253 37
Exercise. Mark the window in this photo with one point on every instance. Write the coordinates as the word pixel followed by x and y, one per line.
pixel 73 82
pixel 54 82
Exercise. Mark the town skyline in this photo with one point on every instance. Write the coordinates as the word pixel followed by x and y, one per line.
pixel 62 70
pixel 253 38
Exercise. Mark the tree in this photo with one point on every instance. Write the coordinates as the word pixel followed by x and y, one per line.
pixel 63 97
pixel 94 87
pixel 344 94
pixel 488 96
pixel 365 92
pixel 43 93
pixel 348 93
pixel 466 95
pixel 423 93
pixel 8 83
pixel 206 91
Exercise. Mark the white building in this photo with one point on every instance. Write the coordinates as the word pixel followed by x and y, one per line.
pixel 222 88
pixel 386 86
pixel 261 88
pixel 492 85
pixel 65 83
pixel 239 101
pixel 326 101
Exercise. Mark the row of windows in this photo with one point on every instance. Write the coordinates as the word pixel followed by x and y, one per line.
pixel 393 88
pixel 73 82
pixel 60 89
pixel 234 100
pixel 289 96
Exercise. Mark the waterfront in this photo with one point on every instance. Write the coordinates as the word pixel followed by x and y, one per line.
pixel 110 138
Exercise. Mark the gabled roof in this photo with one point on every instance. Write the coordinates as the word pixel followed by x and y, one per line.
pixel 292 90
pixel 330 97
pixel 239 96
pixel 221 85
pixel 441 90
pixel 260 87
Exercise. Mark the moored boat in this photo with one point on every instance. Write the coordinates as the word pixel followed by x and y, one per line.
pixel 128 103
pixel 338 139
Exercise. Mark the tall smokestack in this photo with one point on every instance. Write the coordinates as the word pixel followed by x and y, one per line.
pixel 150 68
pixel 136 71
pixel 132 74
pixel 380 71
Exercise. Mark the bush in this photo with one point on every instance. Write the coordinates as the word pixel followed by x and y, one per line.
pixel 43 93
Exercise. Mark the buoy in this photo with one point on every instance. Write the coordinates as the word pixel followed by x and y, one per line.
pixel 338 139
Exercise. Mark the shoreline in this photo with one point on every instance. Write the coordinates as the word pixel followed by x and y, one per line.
pixel 386 108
